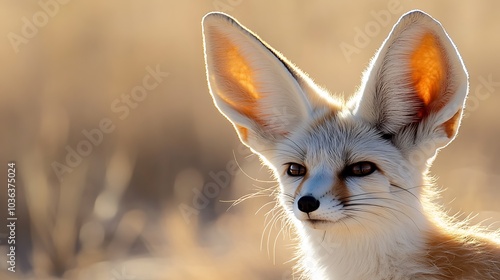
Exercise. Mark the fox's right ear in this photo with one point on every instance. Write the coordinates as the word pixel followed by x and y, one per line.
pixel 252 84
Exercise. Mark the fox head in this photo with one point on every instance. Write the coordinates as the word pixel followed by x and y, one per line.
pixel 350 168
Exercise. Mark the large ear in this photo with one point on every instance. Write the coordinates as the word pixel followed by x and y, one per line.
pixel 415 88
pixel 252 84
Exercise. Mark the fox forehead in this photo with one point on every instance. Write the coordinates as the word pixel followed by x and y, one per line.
pixel 337 139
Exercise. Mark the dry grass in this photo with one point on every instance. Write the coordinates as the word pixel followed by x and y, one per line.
pixel 116 215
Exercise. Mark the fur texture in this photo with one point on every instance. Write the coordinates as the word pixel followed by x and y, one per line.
pixel 353 176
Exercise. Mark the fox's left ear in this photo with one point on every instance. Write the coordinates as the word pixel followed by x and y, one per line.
pixel 416 85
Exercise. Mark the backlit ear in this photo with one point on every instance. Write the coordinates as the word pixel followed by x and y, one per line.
pixel 416 85
pixel 251 84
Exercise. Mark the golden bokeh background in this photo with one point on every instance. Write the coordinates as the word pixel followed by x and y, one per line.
pixel 151 197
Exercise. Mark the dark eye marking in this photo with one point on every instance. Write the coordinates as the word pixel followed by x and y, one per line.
pixel 295 169
pixel 360 169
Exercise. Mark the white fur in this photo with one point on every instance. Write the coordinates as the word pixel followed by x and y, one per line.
pixel 385 227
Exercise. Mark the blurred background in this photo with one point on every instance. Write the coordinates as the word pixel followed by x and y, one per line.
pixel 126 171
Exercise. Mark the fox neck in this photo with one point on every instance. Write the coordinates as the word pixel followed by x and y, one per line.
pixel 388 253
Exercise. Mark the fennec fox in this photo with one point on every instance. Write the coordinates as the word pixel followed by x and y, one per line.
pixel 353 175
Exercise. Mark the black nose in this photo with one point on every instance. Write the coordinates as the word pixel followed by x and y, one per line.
pixel 308 204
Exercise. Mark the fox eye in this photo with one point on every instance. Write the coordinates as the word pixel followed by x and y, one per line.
pixel 295 170
pixel 360 169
